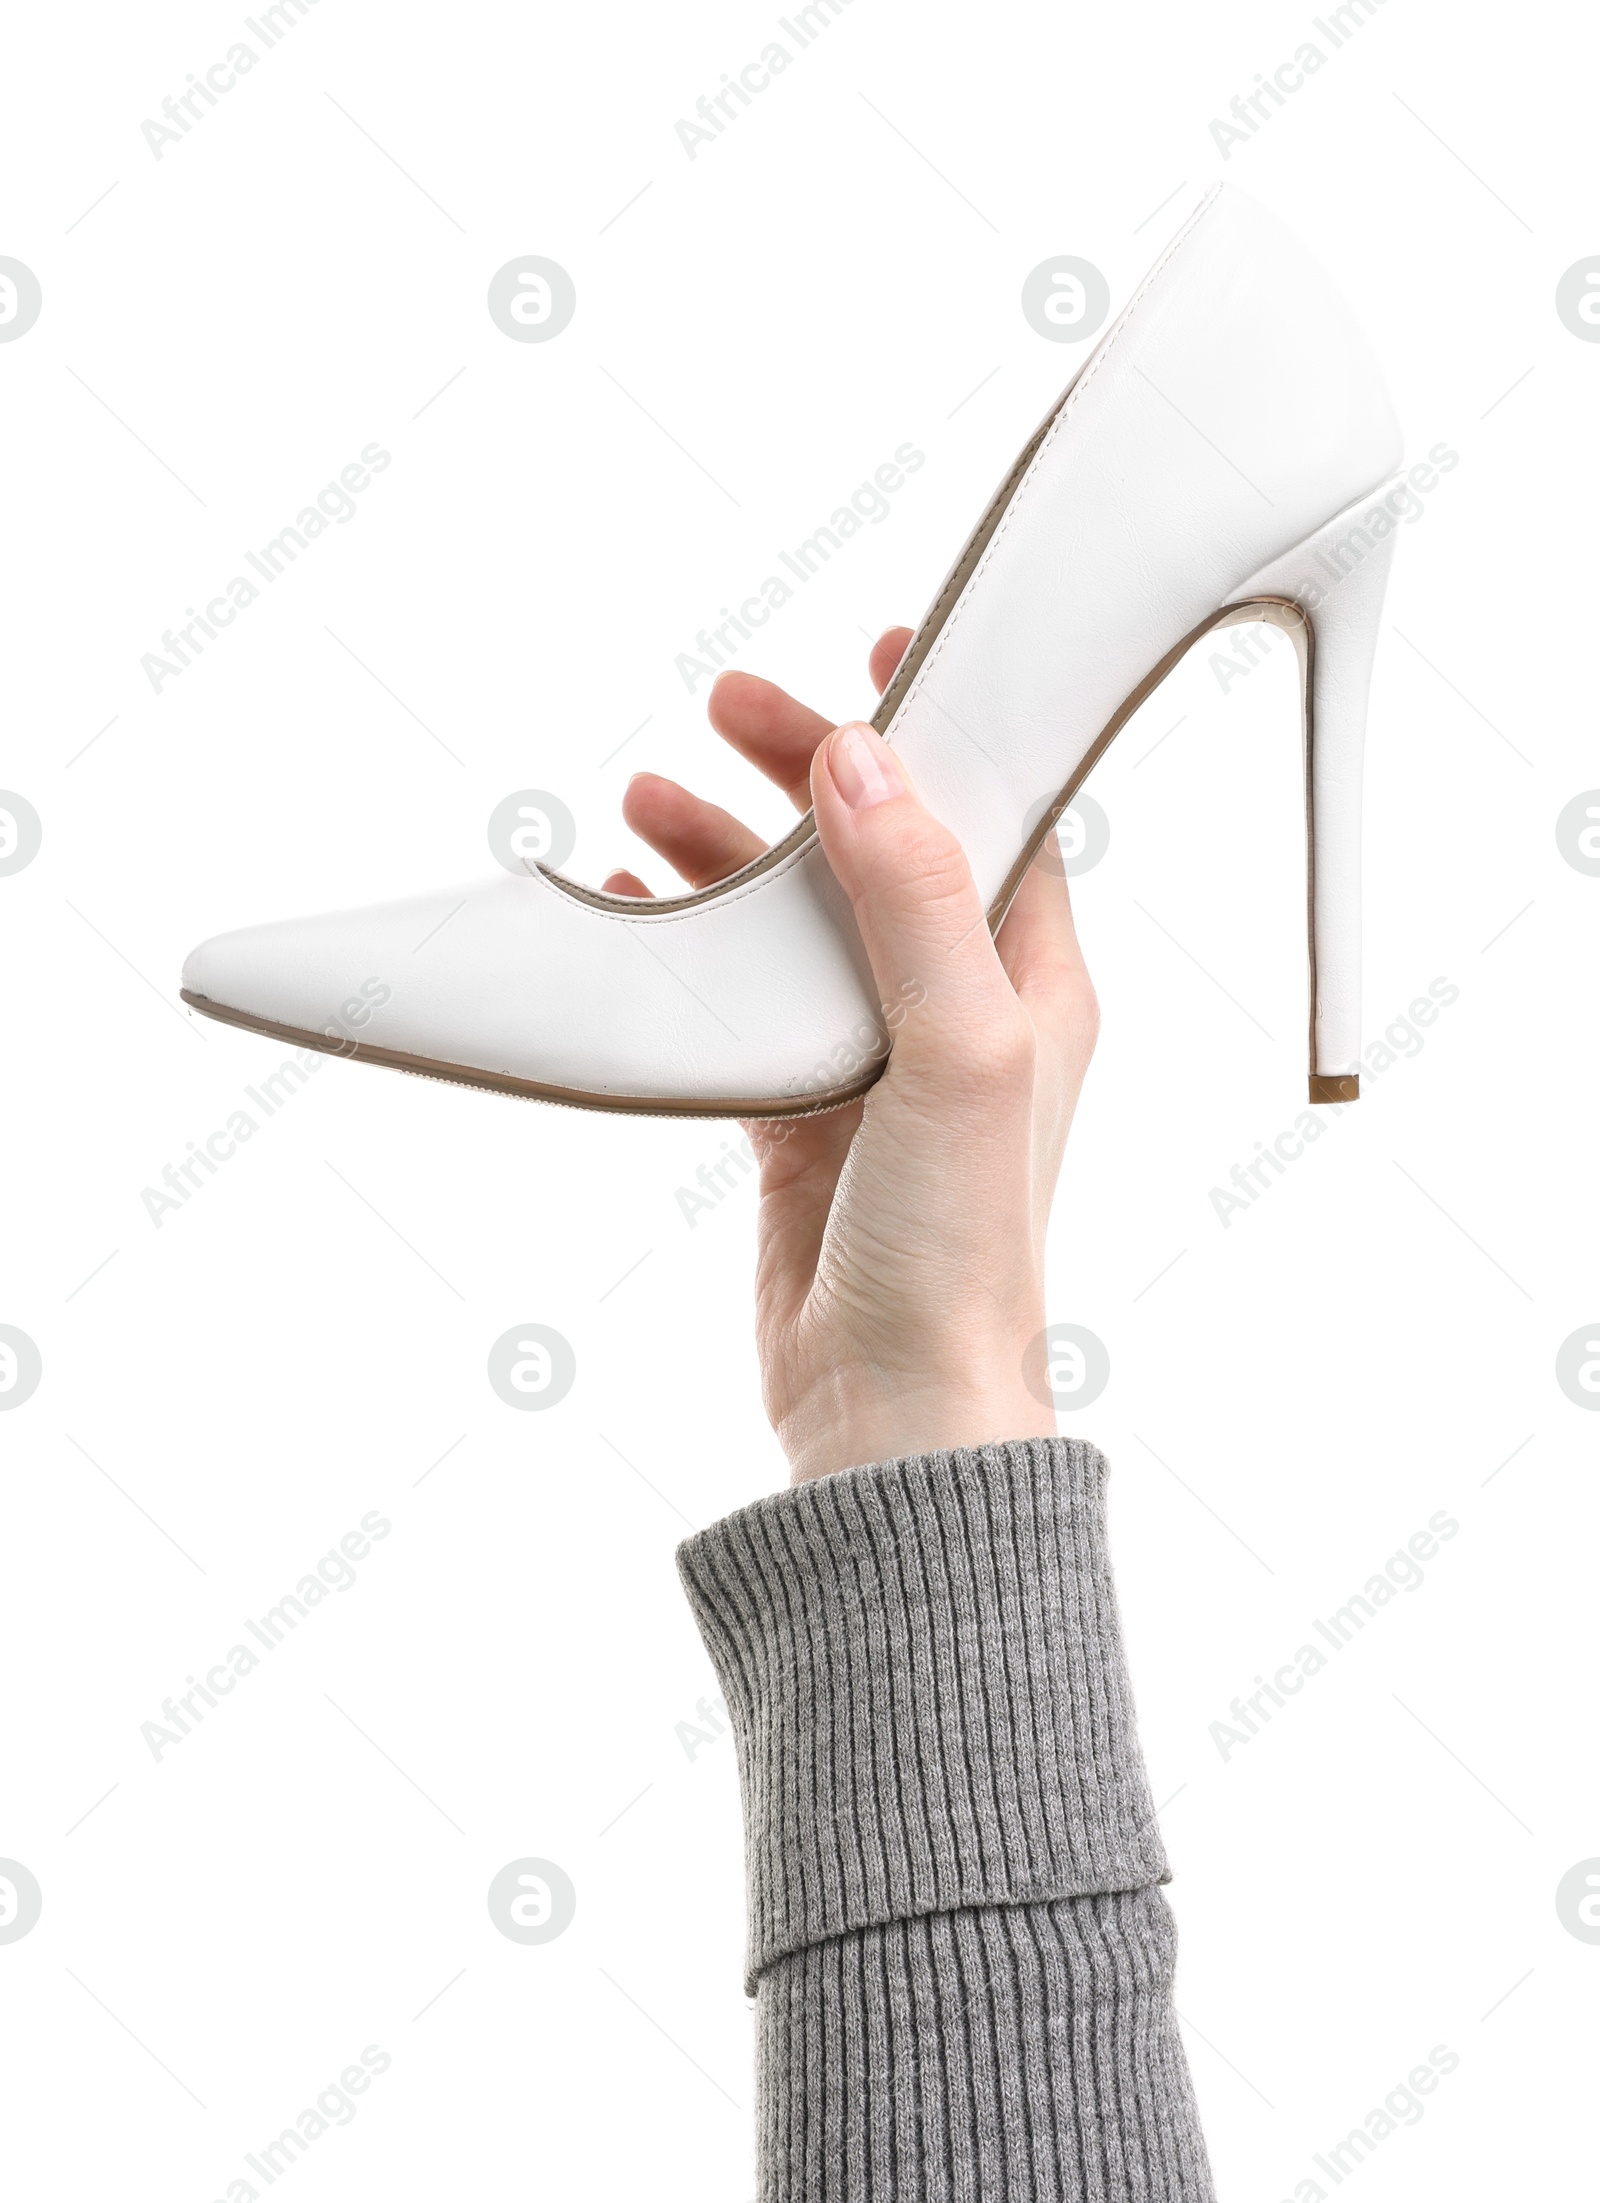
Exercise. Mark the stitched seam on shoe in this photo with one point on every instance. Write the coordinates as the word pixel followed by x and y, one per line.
pixel 1068 408
pixel 1019 467
pixel 695 910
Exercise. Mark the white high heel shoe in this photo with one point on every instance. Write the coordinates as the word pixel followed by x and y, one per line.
pixel 1223 455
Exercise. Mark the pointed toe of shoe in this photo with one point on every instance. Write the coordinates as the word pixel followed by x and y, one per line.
pixel 323 979
pixel 519 985
pixel 255 971
pixel 222 972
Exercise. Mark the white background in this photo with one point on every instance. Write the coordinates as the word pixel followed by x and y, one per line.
pixel 225 1396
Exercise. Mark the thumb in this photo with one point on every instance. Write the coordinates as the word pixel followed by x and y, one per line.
pixel 915 902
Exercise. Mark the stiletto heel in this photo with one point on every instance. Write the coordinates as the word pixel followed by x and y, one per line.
pixel 1328 594
pixel 1221 455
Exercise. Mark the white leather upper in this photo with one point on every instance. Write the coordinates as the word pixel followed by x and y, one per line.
pixel 1233 408
pixel 764 993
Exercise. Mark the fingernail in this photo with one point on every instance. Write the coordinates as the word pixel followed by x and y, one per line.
pixel 863 768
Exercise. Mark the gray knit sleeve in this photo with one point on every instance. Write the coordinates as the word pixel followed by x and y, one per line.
pixel 961 1963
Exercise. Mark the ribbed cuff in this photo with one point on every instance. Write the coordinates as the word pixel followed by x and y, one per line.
pixel 924 1672
pixel 1024 2051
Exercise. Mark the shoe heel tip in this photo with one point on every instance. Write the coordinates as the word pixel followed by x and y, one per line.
pixel 1344 1087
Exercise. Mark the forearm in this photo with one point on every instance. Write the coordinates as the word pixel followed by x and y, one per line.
pixel 1018 2051
pixel 961 1960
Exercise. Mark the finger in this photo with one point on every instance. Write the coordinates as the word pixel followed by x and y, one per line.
pixel 800 1158
pixel 625 883
pixel 921 920
pixel 1039 950
pixel 766 725
pixel 885 656
pixel 700 841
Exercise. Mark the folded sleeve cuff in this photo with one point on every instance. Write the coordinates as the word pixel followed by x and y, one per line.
pixel 924 1673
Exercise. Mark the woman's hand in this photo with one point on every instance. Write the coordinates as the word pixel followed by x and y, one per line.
pixel 900 1278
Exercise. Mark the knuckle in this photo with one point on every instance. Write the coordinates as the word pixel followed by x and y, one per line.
pixel 932 865
pixel 1005 1054
pixel 1063 999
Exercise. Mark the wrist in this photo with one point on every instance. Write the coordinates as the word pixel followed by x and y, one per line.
pixel 903 1420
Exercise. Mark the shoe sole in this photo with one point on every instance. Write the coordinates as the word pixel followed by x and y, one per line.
pixel 1274 611
pixel 502 1082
